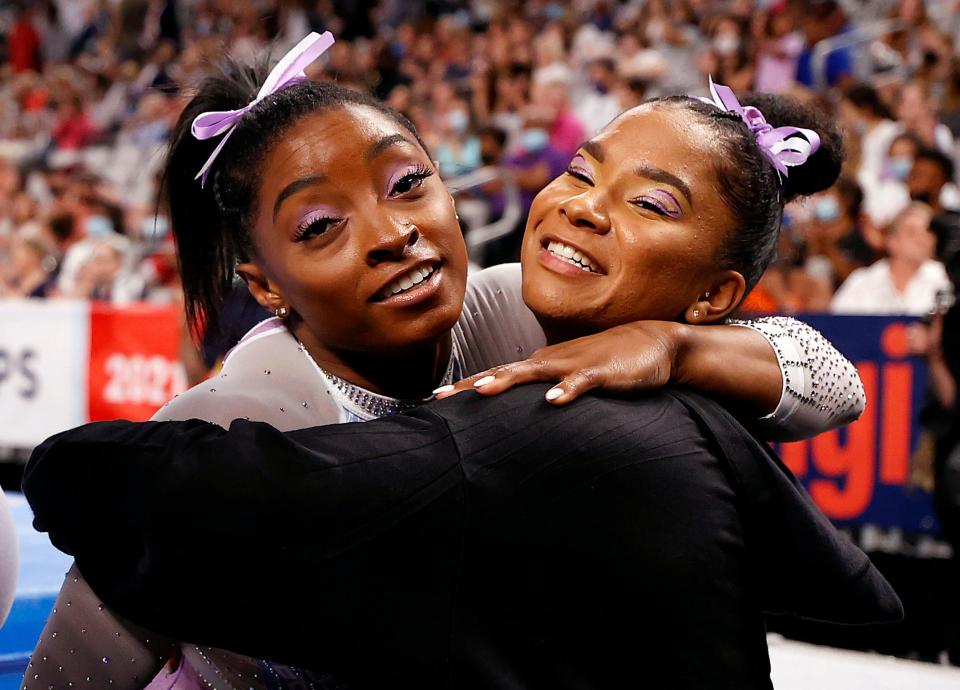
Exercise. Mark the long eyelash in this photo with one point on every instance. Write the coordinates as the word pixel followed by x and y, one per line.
pixel 579 174
pixel 303 228
pixel 419 173
pixel 652 205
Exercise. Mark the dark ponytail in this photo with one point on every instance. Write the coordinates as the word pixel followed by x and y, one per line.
pixel 212 223
pixel 749 184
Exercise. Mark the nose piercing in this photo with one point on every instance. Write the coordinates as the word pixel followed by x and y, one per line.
pixel 696 313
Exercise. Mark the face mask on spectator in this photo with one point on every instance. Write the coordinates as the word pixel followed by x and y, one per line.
pixel 534 139
pixel 458 121
pixel 726 44
pixel 98 227
pixel 826 209
pixel 899 167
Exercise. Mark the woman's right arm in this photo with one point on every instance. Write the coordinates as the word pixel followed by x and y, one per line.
pixel 84 644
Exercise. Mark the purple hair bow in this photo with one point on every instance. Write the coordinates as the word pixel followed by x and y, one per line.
pixel 780 145
pixel 287 72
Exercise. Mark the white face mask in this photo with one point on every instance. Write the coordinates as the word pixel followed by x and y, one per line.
pixel 726 44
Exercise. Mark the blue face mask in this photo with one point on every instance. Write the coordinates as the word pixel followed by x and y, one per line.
pixel 534 140
pixel 899 167
pixel 98 227
pixel 458 121
pixel 826 209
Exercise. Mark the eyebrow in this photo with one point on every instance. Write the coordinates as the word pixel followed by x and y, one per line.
pixel 385 143
pixel 594 149
pixel 296 186
pixel 660 175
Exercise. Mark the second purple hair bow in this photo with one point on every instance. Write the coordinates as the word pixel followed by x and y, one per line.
pixel 287 72
pixel 780 145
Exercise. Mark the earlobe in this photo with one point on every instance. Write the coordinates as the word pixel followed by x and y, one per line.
pixel 261 287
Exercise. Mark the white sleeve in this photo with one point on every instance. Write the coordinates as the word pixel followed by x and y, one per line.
pixel 821 388
pixel 9 559
pixel 84 644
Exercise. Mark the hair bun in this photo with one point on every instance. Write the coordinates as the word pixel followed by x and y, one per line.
pixel 822 168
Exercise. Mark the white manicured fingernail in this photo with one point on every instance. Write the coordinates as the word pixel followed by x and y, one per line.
pixel 554 393
pixel 443 389
pixel 484 381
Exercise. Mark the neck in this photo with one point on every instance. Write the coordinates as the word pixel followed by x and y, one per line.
pixel 559 331
pixel 901 271
pixel 404 373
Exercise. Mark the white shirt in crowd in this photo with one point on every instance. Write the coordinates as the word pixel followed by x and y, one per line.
pixel 870 290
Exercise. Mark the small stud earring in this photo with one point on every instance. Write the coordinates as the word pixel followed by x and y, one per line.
pixel 706 295
pixel 281 312
pixel 696 313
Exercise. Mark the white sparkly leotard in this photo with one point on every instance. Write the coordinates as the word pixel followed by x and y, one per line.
pixel 270 377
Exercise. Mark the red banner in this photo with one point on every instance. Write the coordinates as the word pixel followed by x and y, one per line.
pixel 134 361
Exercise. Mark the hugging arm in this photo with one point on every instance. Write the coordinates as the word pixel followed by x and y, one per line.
pixel 777 369
pixel 143 508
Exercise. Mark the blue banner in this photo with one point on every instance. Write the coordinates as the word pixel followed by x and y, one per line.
pixel 861 474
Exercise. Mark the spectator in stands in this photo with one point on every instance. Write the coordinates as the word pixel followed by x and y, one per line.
pixel 907 281
pixel 458 148
pixel 886 193
pixel 823 19
pixel 73 129
pixel 930 181
pixel 597 103
pixel 872 121
pixel 778 52
pixel 23 43
pixel 34 266
pixel 835 244
pixel 917 112
pixel 550 100
pixel 729 57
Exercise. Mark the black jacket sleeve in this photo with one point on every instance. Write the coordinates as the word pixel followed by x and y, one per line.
pixel 185 528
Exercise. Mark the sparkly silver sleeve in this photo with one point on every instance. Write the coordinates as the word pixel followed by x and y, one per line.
pixel 84 645
pixel 821 388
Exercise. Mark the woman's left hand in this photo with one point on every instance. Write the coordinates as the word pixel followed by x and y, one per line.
pixel 634 357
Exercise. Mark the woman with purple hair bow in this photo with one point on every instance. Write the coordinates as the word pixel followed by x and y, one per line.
pixel 363 265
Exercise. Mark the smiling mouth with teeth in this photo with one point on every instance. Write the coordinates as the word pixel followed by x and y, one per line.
pixel 408 281
pixel 566 253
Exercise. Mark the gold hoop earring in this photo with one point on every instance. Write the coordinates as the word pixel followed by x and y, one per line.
pixel 281 312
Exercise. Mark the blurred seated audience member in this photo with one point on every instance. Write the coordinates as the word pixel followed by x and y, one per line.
pixel 778 49
pixel 34 268
pixel 98 268
pixel 820 21
pixel 23 40
pixel 930 181
pixel 729 55
pixel 885 193
pixel 73 129
pixel 834 235
pixel 631 91
pixel 598 103
pixel 869 118
pixel 457 149
pixel 550 98
pixel 917 112
pixel 907 281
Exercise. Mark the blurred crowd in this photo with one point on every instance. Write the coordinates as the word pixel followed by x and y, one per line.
pixel 91 88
